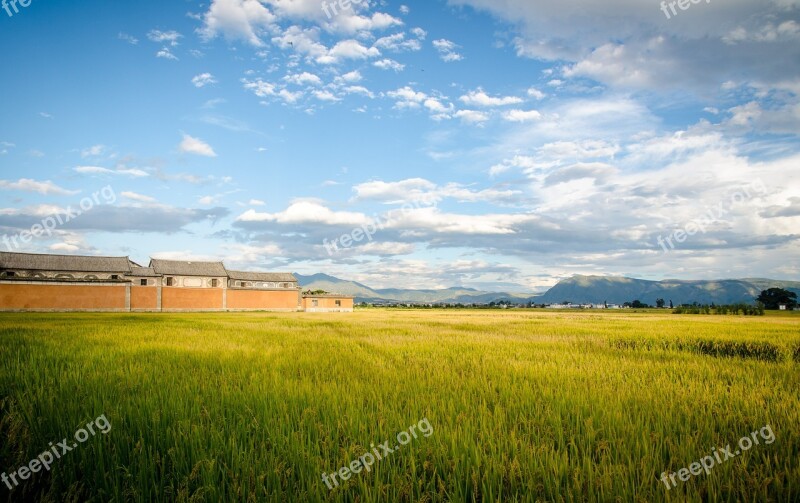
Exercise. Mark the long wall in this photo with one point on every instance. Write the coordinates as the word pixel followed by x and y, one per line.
pixel 192 299
pixel 37 296
pixel 277 300
pixel 18 295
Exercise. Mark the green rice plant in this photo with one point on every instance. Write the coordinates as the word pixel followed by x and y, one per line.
pixel 525 405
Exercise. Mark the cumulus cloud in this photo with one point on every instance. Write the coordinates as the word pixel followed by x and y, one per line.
pixel 243 20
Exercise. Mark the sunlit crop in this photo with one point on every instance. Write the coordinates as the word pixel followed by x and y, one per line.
pixel 525 405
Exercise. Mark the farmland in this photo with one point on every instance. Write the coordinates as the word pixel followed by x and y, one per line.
pixel 523 405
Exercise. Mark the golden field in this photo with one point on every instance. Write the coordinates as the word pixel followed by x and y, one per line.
pixel 525 405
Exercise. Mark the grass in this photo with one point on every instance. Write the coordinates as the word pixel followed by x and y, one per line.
pixel 524 405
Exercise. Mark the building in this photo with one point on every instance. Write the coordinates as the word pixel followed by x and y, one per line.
pixel 34 282
pixel 327 303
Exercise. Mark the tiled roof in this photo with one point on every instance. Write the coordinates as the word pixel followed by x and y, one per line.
pixel 181 268
pixel 143 272
pixel 272 277
pixel 37 262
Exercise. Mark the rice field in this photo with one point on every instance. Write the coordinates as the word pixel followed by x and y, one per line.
pixel 523 405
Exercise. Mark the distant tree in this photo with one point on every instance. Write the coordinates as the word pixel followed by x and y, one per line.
pixel 637 304
pixel 660 303
pixel 670 304
pixel 775 297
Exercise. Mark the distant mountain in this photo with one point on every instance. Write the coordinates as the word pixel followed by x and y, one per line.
pixel 578 290
pixel 364 293
pixel 618 290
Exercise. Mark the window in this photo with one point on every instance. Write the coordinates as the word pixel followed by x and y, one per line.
pixel 11 274
pixel 143 282
pixel 315 303
pixel 338 303
pixel 115 276
pixel 170 281
pixel 214 283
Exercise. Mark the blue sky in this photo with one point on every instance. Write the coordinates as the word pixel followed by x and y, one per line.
pixel 528 140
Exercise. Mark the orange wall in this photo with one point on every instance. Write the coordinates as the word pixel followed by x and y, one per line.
pixel 144 297
pixel 201 299
pixel 58 297
pixel 327 303
pixel 260 299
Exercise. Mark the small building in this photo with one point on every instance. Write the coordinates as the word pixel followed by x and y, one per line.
pixel 327 303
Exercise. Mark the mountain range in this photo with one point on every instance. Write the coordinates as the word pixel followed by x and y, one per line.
pixel 578 290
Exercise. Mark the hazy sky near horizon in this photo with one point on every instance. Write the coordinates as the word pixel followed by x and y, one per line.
pixel 529 140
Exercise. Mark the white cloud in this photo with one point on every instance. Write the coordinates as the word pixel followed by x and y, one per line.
pixel 348 49
pixel 447 50
pixel 522 115
pixel 426 193
pixel 472 116
pixel 97 170
pixel 93 151
pixel 203 79
pixel 237 20
pixel 348 22
pixel 133 196
pixel 536 94
pixel 45 188
pixel 479 98
pixel 128 38
pixel 354 76
pixel 406 97
pixel 306 212
pixel 302 79
pixel 398 43
pixel 325 95
pixel 165 53
pixel 389 64
pixel 195 146
pixel 164 37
